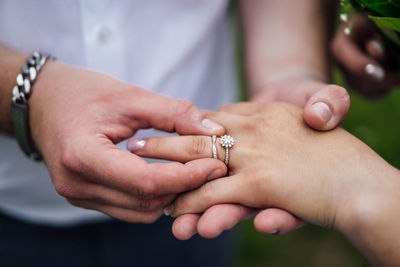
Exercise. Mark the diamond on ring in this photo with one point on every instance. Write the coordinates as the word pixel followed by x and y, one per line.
pixel 227 142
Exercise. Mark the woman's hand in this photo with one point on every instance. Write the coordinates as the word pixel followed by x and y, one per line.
pixel 367 64
pixel 277 161
pixel 324 108
pixel 330 179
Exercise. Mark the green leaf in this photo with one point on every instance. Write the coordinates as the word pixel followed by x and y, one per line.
pixel 389 26
pixel 384 8
pixel 387 22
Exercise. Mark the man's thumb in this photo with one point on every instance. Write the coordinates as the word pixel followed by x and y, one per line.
pixel 327 108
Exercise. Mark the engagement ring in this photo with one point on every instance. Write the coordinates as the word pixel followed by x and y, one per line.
pixel 227 142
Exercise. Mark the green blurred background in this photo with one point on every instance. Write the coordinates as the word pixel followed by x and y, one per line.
pixel 376 122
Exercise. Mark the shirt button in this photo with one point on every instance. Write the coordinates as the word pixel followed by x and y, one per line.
pixel 103 34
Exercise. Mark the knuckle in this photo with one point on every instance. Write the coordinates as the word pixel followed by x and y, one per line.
pixel 145 204
pixel 250 126
pixel 70 160
pixel 151 204
pixel 198 146
pixel 147 190
pixel 184 107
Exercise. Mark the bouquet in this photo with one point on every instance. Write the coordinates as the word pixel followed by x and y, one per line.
pixel 384 13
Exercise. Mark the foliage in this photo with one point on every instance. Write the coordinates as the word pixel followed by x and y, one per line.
pixel 384 13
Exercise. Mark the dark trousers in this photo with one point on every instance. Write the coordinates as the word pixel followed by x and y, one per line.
pixel 111 243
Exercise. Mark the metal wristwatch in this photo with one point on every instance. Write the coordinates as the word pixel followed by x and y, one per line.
pixel 20 106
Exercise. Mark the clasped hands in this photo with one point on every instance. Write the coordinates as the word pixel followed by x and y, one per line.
pixel 78 117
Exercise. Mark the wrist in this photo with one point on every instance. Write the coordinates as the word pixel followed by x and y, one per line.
pixel 371 214
pixel 283 75
pixel 42 100
pixel 293 89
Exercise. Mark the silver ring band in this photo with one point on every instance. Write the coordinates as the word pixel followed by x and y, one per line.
pixel 226 156
pixel 214 147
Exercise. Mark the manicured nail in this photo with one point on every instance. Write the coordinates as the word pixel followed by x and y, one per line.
pixel 168 210
pixel 377 72
pixel 275 232
pixel 377 46
pixel 215 174
pixel 209 124
pixel 323 111
pixel 347 31
pixel 136 145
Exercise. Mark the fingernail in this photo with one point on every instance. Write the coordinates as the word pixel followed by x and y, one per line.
pixel 136 145
pixel 275 232
pixel 209 124
pixel 168 210
pixel 323 111
pixel 214 175
pixel 377 72
pixel 377 46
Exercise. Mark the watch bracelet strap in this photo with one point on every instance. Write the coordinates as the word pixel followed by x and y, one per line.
pixel 20 118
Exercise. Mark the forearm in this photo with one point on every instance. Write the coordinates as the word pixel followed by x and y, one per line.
pixel 371 219
pixel 10 66
pixel 282 38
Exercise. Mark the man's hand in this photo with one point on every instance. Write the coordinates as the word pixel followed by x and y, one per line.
pixel 78 117
pixel 367 64
pixel 325 105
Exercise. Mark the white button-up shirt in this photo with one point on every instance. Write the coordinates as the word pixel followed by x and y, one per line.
pixel 180 48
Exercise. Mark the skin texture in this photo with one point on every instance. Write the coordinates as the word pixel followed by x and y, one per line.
pixel 280 66
pixel 364 46
pixel 329 179
pixel 270 55
pixel 78 116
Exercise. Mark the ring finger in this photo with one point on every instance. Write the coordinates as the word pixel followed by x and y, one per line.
pixel 179 148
